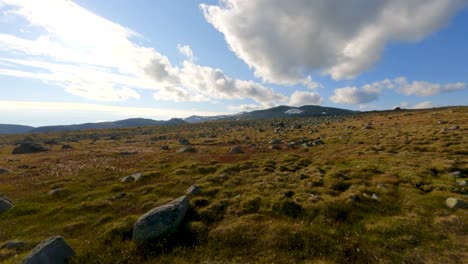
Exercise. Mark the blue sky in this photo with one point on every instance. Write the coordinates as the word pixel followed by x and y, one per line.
pixel 64 62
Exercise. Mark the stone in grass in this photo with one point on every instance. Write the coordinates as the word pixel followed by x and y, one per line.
pixel 57 191
pixel 5 205
pixel 132 178
pixel 28 147
pixel 13 245
pixel 193 190
pixel 456 203
pixel 236 150
pixel 160 221
pixel 3 171
pixel 52 250
pixel 186 150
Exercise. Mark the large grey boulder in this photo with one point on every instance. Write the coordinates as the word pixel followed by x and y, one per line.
pixel 5 205
pixel 29 147
pixel 160 221
pixel 52 250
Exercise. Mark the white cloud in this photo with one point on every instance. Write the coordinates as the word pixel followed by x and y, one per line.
pixel 370 92
pixel 353 95
pixel 97 59
pixel 300 98
pixel 287 41
pixel 423 89
pixel 157 113
pixel 186 50
pixel 421 105
pixel 244 107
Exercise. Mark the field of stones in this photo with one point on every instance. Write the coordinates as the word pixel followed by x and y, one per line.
pixel 377 187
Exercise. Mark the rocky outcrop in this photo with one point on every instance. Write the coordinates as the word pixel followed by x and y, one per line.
pixel 29 147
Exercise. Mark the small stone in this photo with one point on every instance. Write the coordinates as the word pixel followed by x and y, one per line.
pixel 3 171
pixel 66 146
pixel 289 194
pixel 236 150
pixel 164 147
pixel 455 174
pixel 375 197
pixel 186 150
pixel 184 141
pixel 454 128
pixel 52 250
pixel 462 182
pixel 132 178
pixel 57 191
pixel 275 141
pixel 193 190
pixel 5 204
pixel 456 203
pixel 13 244
pixel 275 147
pixel 315 198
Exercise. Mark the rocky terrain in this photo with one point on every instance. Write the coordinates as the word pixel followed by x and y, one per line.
pixel 381 187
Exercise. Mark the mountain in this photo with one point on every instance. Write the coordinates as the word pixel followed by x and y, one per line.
pixel 14 129
pixel 131 122
pixel 282 111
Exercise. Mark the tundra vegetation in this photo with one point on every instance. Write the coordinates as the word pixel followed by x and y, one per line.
pixel 364 188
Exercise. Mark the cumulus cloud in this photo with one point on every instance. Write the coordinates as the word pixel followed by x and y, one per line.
pixel 370 92
pixel 300 98
pixel 423 88
pixel 353 95
pixel 287 41
pixel 186 50
pixel 421 105
pixel 94 58
pixel 244 107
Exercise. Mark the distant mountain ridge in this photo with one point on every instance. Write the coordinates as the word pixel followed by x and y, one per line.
pixel 282 111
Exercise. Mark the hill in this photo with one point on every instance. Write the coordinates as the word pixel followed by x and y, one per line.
pixel 14 129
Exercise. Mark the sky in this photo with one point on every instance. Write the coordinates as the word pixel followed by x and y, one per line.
pixel 68 62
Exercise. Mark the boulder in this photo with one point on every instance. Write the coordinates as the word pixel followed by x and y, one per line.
pixel 164 147
pixel 66 146
pixel 456 203
pixel 160 221
pixel 52 250
pixel 236 150
pixel 193 190
pixel 28 147
pixel 275 141
pixel 5 205
pixel 3 171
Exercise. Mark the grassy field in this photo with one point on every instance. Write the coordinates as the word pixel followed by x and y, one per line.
pixel 373 192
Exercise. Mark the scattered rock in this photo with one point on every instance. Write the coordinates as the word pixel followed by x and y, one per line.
pixel 66 146
pixel 23 166
pixel 375 197
pixel 5 204
pixel 3 171
pixel 462 182
pixel 57 191
pixel 236 150
pixel 193 190
pixel 275 141
pixel 128 153
pixel 275 147
pixel 184 141
pixel 186 150
pixel 164 147
pixel 315 198
pixel 441 122
pixel 13 245
pixel 455 174
pixel 353 198
pixel 454 128
pixel 456 203
pixel 52 250
pixel 132 178
pixel 26 148
pixel 289 194
pixel 160 221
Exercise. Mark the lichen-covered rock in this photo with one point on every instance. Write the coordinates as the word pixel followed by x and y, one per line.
pixel 160 221
pixel 52 250
pixel 5 205
pixel 456 203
